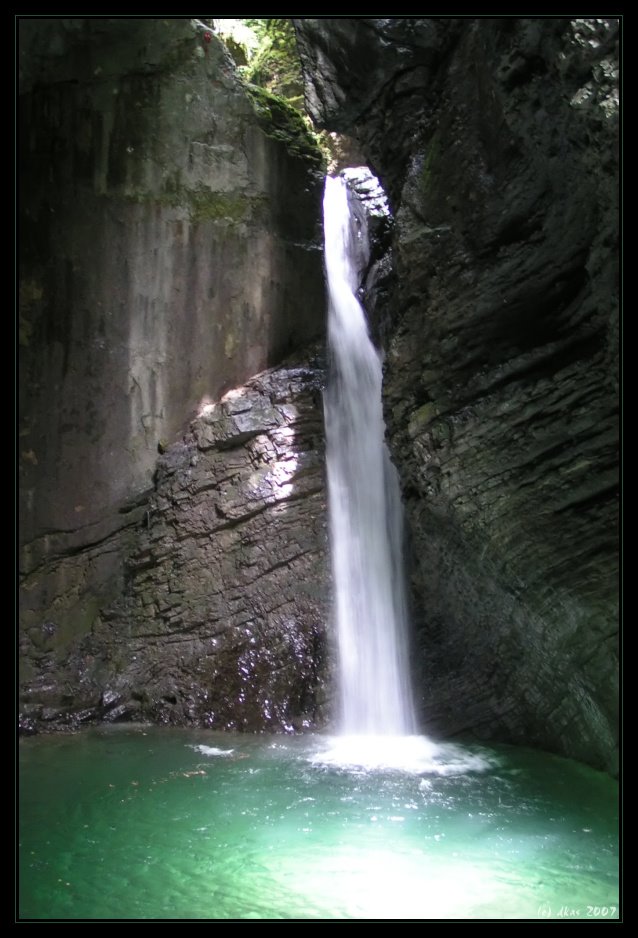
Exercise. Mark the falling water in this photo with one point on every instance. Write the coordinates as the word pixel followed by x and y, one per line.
pixel 364 504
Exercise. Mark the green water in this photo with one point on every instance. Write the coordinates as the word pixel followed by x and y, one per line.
pixel 135 824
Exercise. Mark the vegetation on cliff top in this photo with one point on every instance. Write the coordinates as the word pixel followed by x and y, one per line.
pixel 265 52
pixel 266 56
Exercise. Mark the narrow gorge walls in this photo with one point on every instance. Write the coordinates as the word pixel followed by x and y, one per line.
pixel 170 247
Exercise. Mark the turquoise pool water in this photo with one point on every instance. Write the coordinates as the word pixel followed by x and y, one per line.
pixel 140 823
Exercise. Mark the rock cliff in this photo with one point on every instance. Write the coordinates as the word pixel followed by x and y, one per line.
pixel 170 252
pixel 496 141
pixel 222 599
pixel 170 246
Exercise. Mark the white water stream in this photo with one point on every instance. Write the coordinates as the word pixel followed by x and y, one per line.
pixel 364 504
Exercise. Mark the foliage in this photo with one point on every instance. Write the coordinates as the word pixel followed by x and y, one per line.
pixel 276 65
pixel 265 52
pixel 282 121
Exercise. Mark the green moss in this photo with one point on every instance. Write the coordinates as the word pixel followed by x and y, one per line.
pixel 203 204
pixel 430 163
pixel 265 51
pixel 238 52
pixel 441 432
pixel 222 206
pixel 25 331
pixel 172 183
pixel 421 418
pixel 281 121
pixel 30 298
pixel 230 344
pixel 276 65
pixel 140 197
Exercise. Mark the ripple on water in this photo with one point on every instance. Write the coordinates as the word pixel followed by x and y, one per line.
pixel 175 824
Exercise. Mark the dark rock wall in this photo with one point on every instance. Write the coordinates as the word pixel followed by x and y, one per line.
pixel 220 619
pixel 170 248
pixel 496 140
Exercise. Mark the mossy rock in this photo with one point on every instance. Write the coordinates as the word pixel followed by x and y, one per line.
pixel 205 204
pixel 422 418
pixel 430 163
pixel 281 121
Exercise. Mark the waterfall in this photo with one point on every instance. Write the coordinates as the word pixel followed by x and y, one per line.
pixel 364 503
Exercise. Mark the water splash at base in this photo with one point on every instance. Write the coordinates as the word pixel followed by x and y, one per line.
pixel 416 755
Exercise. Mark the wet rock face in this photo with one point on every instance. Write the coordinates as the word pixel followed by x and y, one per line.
pixel 224 598
pixel 170 249
pixel 497 146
